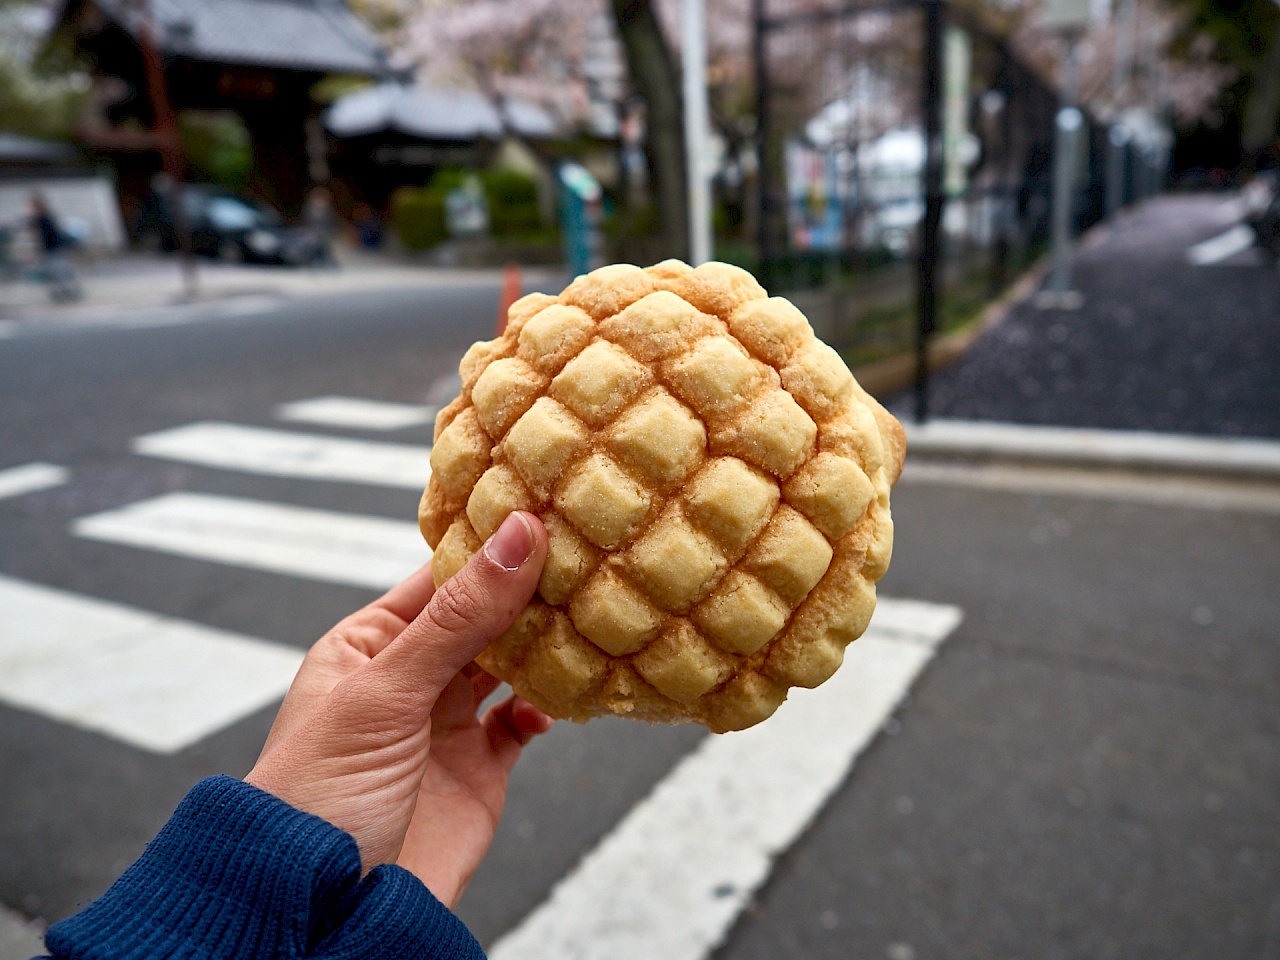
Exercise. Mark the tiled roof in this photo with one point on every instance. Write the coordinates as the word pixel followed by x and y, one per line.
pixel 320 35
pixel 17 149
pixel 433 113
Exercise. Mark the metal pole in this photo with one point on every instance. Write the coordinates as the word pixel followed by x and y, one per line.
pixel 697 146
pixel 1117 141
pixel 1005 215
pixel 1066 129
pixel 168 141
pixel 764 184
pixel 1118 136
pixel 931 187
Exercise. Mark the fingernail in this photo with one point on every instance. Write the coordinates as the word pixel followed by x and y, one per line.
pixel 512 544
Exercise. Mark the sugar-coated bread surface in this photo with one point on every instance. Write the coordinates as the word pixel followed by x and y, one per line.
pixel 714 484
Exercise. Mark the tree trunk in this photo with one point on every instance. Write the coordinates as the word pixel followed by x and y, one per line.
pixel 1262 108
pixel 657 79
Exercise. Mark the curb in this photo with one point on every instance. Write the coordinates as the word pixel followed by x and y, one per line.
pixel 288 285
pixel 1142 451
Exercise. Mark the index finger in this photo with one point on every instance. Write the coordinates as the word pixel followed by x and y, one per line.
pixel 408 597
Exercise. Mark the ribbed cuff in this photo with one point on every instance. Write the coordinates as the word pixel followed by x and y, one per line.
pixel 398 917
pixel 238 873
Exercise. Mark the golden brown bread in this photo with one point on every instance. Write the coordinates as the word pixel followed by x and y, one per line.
pixel 714 483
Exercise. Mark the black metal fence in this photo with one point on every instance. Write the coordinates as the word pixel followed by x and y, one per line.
pixel 905 160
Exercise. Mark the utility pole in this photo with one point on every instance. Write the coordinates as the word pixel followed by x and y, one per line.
pixel 696 123
pixel 1117 136
pixel 165 125
pixel 931 187
pixel 1069 18
pixel 764 178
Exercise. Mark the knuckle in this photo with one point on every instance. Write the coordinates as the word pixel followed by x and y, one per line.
pixel 458 606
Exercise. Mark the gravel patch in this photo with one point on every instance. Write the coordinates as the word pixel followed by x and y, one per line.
pixel 1160 344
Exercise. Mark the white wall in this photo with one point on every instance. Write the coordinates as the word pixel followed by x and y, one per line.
pixel 91 199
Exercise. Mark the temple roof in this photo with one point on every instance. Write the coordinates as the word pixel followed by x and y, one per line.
pixel 314 35
pixel 434 113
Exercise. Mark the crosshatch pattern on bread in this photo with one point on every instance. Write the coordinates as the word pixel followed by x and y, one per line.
pixel 714 484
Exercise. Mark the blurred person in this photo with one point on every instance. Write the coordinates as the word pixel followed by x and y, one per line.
pixel 374 800
pixel 9 268
pixel 55 268
pixel 368 229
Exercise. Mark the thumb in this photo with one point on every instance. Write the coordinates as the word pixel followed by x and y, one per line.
pixel 468 612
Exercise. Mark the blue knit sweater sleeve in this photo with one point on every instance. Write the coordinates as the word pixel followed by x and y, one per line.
pixel 238 873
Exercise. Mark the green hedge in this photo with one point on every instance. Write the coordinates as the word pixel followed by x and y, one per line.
pixel 513 203
pixel 417 213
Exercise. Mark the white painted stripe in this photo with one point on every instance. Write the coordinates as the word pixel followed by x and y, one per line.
pixel 321 545
pixel 1221 247
pixel 356 413
pixel 153 682
pixel 246 306
pixel 1114 448
pixel 913 621
pixel 31 477
pixel 280 453
pixel 1188 493
pixel 1230 211
pixel 19 938
pixel 672 877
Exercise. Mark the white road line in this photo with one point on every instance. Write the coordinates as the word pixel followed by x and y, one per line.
pixel 356 413
pixel 280 453
pixel 246 306
pixel 1221 247
pixel 19 938
pixel 1076 446
pixel 672 877
pixel 321 545
pixel 153 682
pixel 30 477
pixel 1188 493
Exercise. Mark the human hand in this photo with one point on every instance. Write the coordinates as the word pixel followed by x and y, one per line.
pixel 379 733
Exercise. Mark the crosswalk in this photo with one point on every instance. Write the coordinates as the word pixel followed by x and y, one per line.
pixel 153 682
pixel 30 477
pixel 321 545
pixel 301 456
pixel 668 881
pixel 356 413
pixel 1221 247
pixel 673 876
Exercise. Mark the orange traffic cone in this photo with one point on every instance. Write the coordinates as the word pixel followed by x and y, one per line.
pixel 512 288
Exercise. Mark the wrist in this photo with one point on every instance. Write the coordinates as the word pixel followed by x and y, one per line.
pixel 235 872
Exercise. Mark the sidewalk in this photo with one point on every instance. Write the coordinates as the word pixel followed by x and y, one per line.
pixel 1163 343
pixel 143 282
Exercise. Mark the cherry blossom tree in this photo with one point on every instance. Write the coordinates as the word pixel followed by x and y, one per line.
pixel 1131 56
pixel 573 56
pixel 568 55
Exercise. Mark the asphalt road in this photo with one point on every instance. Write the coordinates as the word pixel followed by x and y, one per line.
pixel 1088 767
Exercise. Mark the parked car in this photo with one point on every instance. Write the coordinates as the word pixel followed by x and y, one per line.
pixel 231 228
